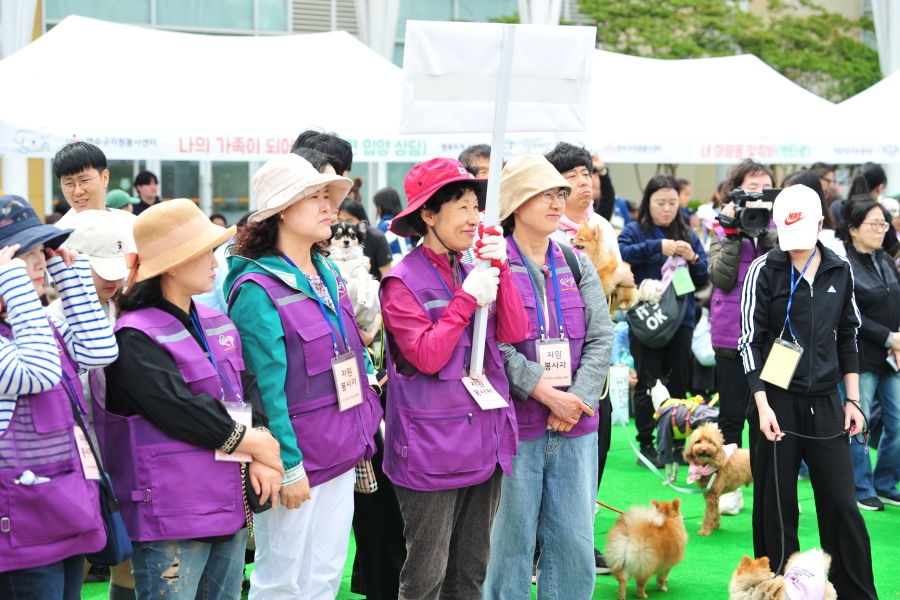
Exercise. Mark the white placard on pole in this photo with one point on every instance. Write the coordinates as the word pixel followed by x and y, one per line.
pixel 479 78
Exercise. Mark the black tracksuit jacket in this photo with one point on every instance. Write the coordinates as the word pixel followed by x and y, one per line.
pixel 824 317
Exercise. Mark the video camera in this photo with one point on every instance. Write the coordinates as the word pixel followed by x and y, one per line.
pixel 752 211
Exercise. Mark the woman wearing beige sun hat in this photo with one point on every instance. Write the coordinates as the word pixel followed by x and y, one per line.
pixel 554 475
pixel 297 322
pixel 181 413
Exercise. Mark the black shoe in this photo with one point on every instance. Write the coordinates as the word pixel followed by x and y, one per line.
pixel 650 454
pixel 872 503
pixel 97 574
pixel 600 561
pixel 892 498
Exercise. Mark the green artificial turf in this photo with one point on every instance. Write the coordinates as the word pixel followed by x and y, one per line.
pixel 709 561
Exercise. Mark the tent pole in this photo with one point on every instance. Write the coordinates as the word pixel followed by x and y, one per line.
pixel 492 204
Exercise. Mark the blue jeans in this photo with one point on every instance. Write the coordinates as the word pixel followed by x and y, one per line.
pixel 886 389
pixel 187 569
pixel 58 581
pixel 551 494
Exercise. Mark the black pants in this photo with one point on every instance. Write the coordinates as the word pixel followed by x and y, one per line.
pixel 378 528
pixel 734 401
pixel 671 364
pixel 604 436
pixel 842 530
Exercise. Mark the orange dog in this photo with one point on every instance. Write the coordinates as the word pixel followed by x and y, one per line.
pixel 644 541
pixel 754 580
pixel 706 450
pixel 590 241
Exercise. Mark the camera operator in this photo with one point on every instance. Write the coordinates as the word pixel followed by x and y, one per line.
pixel 730 253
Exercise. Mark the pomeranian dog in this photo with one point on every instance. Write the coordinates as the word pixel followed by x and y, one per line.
pixel 346 250
pixel 754 580
pixel 589 240
pixel 646 541
pixel 706 453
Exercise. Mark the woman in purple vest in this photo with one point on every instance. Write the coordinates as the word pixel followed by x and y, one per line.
pixel 293 310
pixel 442 447
pixel 556 379
pixel 731 251
pixel 181 414
pixel 49 512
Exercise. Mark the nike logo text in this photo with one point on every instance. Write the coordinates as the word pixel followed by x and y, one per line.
pixel 792 218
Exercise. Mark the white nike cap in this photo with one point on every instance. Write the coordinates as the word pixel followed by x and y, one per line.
pixel 797 212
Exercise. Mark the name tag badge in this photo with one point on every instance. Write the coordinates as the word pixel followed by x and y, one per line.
pixel 243 414
pixel 681 279
pixel 484 393
pixel 88 464
pixel 347 380
pixel 556 358
pixel 782 363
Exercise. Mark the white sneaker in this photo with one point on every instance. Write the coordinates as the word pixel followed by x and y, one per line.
pixel 731 503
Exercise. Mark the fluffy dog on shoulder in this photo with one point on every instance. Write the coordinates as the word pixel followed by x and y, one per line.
pixel 707 453
pixel 754 580
pixel 646 541
pixel 589 240
pixel 346 250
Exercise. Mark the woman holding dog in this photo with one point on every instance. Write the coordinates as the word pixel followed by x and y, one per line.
pixel 449 438
pixel 798 340
pixel 878 297
pixel 553 485
pixel 297 324
pixel 659 233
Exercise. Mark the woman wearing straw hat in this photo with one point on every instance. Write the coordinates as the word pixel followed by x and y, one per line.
pixel 50 514
pixel 177 412
pixel 294 314
pixel 553 485
pixel 445 450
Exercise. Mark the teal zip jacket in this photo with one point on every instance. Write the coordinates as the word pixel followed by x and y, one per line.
pixel 262 336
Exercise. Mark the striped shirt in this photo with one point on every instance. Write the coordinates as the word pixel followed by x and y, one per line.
pixel 29 364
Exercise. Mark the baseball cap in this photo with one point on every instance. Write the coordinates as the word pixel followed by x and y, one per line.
pixel 424 180
pixel 119 198
pixel 103 236
pixel 797 213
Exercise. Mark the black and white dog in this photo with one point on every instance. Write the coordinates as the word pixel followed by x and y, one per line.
pixel 346 250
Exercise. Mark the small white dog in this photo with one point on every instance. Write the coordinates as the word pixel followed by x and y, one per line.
pixel 346 250
pixel 650 291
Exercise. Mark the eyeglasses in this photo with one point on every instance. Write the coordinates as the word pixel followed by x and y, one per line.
pixel 549 196
pixel 86 183
pixel 827 182
pixel 877 225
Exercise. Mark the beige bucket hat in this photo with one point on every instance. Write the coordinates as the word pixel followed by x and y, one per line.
pixel 524 177
pixel 288 178
pixel 170 234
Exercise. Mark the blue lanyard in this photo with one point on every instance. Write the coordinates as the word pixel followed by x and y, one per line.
pixel 787 317
pixel 450 295
pixel 559 320
pixel 195 321
pixel 334 303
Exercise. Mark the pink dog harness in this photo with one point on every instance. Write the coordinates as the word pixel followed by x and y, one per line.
pixel 696 471
pixel 805 580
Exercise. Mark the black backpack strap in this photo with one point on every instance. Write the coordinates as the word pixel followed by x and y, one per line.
pixel 572 261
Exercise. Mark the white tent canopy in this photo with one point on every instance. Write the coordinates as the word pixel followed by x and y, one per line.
pixel 872 114
pixel 246 98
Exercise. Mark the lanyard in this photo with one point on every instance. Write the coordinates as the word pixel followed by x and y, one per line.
pixel 450 294
pixel 334 303
pixel 541 322
pixel 195 321
pixel 787 317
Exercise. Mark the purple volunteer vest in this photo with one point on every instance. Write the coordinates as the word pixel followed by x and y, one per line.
pixel 332 442
pixel 437 437
pixel 45 523
pixel 725 311
pixel 531 414
pixel 169 489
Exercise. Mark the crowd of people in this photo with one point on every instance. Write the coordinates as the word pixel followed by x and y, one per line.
pixel 244 411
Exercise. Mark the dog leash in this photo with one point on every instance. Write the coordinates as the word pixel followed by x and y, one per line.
pixel 621 512
pixel 844 433
pixel 650 465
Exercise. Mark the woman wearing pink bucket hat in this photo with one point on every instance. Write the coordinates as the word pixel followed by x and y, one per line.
pixel 447 438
